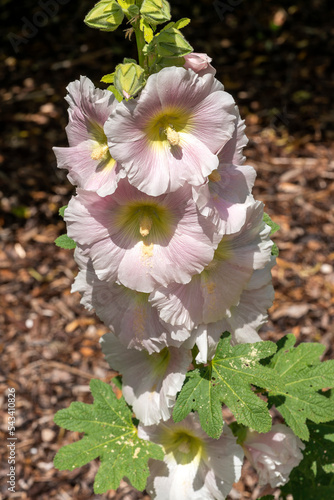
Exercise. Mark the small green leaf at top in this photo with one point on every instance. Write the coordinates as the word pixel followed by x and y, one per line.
pixel 65 242
pixel 227 379
pixel 108 78
pixel 110 435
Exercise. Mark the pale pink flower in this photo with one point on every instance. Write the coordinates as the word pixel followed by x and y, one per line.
pixel 88 160
pixel 273 454
pixel 209 296
pixel 127 313
pixel 243 320
pixel 139 240
pixel 195 466
pixel 200 63
pixel 172 132
pixel 150 382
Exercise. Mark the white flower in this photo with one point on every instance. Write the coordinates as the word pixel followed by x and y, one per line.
pixel 150 381
pixel 195 467
pixel 273 454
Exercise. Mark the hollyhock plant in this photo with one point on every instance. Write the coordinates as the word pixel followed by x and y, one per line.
pixel 273 454
pixel 173 131
pixel 140 240
pixel 195 466
pixel 88 161
pixel 126 312
pixel 200 63
pixel 150 382
pixel 209 296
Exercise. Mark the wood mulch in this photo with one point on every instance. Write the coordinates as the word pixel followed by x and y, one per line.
pixel 49 343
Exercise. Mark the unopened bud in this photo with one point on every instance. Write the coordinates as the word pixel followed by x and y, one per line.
pixel 155 11
pixel 106 15
pixel 171 43
pixel 129 79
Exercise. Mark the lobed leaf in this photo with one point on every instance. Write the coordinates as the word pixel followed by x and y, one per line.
pixel 64 241
pixel 110 435
pixel 300 375
pixel 227 379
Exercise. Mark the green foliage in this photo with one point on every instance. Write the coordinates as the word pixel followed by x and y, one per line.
pixel 300 375
pixel 274 226
pixel 155 11
pixel 292 378
pixel 62 211
pixel 110 435
pixel 227 380
pixel 65 241
pixel 313 478
pixel 113 89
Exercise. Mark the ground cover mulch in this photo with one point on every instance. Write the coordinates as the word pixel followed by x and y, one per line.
pixel 281 77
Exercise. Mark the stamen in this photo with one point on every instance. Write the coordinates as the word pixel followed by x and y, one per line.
pixel 215 176
pixel 172 136
pixel 99 152
pixel 145 225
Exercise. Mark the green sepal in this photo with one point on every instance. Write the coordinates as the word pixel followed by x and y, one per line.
pixel 65 242
pixel 109 434
pixel 181 23
pixel 273 225
pixel 106 15
pixel 118 96
pixel 108 78
pixel 155 11
pixel 61 211
pixel 129 79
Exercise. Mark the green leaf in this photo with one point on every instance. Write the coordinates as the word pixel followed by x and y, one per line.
pixel 227 379
pixel 274 226
pixel 65 241
pixel 146 28
pixel 110 435
pixel 300 375
pixel 313 478
pixel 181 23
pixel 108 78
pixel 275 250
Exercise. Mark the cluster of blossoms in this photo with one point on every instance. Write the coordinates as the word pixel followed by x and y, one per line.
pixel 172 251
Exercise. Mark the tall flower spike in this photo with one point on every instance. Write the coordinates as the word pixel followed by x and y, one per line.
pixel 195 467
pixel 171 134
pixel 140 240
pixel 150 382
pixel 88 161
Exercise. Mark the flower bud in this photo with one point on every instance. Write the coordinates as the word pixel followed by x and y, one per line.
pixel 200 63
pixel 273 454
pixel 155 11
pixel 129 79
pixel 106 15
pixel 171 43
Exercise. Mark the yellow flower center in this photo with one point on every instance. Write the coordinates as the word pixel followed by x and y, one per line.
pixel 100 152
pixel 183 444
pixel 165 127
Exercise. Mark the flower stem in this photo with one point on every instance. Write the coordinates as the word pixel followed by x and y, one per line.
pixel 140 45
